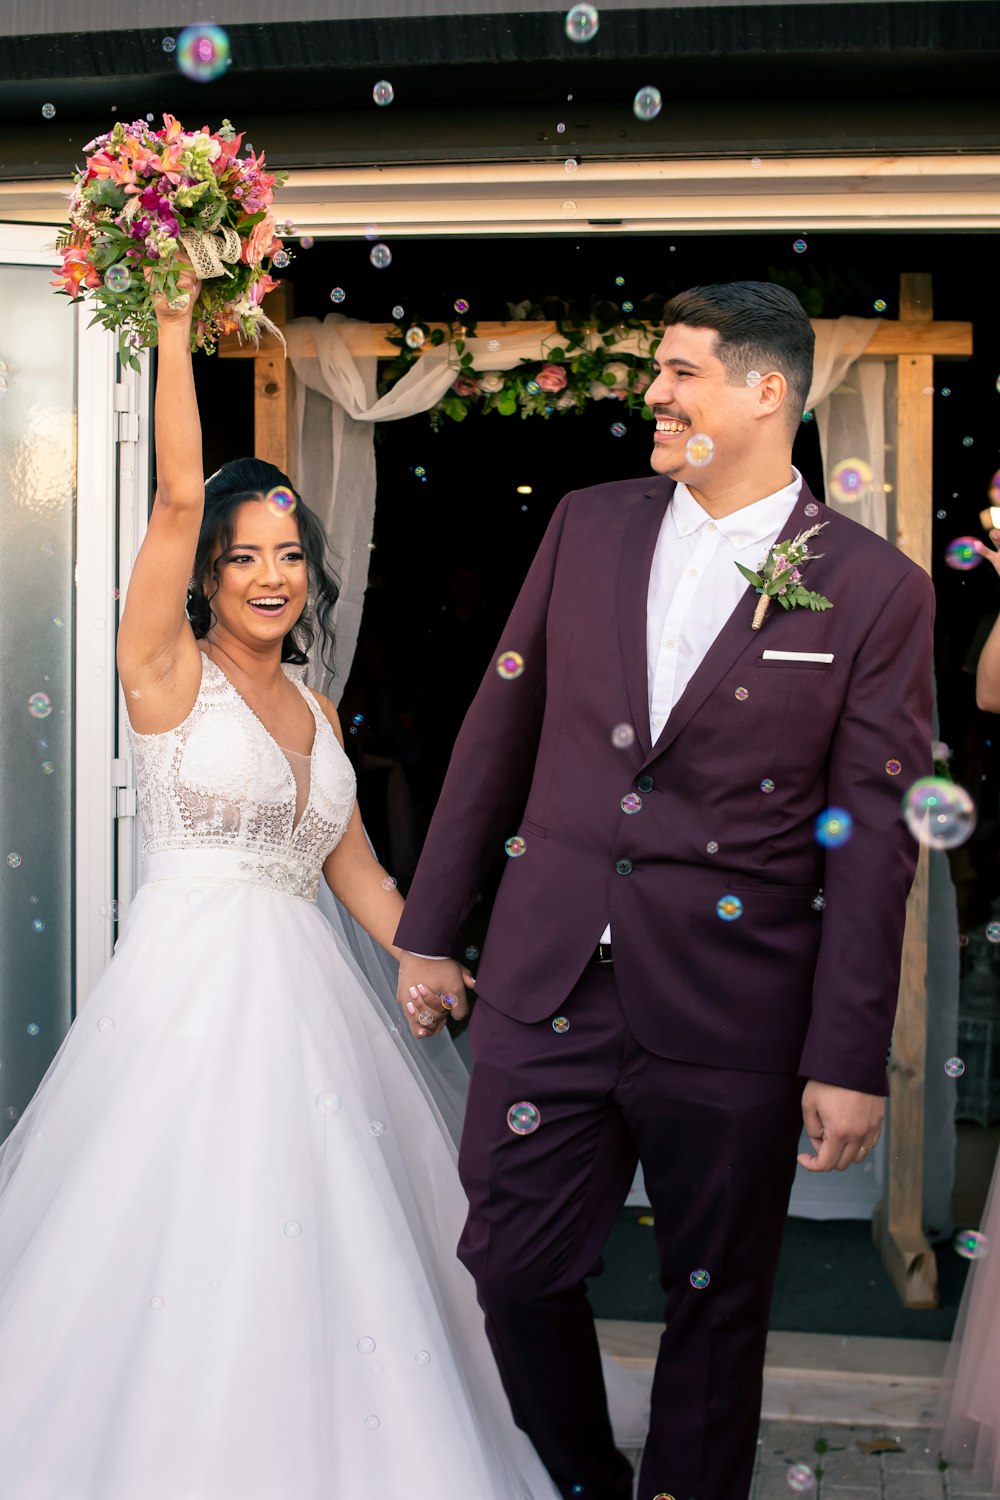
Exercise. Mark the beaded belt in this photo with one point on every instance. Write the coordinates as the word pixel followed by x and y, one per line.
pixel 292 877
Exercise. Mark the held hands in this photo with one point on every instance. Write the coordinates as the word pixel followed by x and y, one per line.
pixel 426 986
pixel 842 1125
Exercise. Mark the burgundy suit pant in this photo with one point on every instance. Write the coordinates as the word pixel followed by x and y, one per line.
pixel 718 1154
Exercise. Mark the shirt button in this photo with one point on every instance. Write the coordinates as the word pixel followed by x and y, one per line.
pixel 644 783
pixel 740 541
pixel 671 644
pixel 623 866
pixel 659 723
pixel 710 526
pixel 692 572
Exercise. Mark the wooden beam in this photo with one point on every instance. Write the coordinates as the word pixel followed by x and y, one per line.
pixel 273 378
pixel 898 1225
pixel 891 339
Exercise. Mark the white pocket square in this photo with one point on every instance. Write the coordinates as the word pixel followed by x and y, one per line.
pixel 798 656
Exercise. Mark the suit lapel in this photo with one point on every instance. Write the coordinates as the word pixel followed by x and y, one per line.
pixel 735 637
pixel 638 545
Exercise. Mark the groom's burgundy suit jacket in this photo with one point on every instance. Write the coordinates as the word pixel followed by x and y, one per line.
pixel 785 987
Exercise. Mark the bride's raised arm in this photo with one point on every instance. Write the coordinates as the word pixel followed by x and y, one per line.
pixel 157 655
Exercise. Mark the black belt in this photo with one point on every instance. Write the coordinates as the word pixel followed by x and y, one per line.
pixel 602 954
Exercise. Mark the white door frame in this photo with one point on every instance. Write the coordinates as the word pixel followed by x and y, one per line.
pixel 98 571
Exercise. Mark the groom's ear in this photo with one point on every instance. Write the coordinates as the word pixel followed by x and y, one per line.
pixel 771 395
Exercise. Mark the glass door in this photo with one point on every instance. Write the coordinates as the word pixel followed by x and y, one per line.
pixel 60 492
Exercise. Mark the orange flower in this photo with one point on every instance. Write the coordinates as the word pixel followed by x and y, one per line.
pixel 259 243
pixel 76 274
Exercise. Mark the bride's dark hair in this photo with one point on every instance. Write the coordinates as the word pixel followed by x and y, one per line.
pixel 230 487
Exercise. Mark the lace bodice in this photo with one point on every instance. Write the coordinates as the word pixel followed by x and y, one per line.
pixel 220 781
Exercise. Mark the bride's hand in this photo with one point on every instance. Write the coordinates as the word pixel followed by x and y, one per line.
pixel 189 289
pixel 991 555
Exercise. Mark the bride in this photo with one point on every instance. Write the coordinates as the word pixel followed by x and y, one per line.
pixel 228 1216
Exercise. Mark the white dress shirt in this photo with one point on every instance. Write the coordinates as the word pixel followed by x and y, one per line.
pixel 694 586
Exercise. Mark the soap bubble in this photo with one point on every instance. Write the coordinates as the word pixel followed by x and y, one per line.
pixel 767 785
pixel 939 813
pixel 627 307
pixel 560 1024
pixel 954 1067
pixel 729 908
pixel 618 429
pixel 203 53
pixel 700 449
pixel 39 705
pixel 372 1422
pixel 388 883
pixel 366 1346
pixel 415 338
pixel 510 664
pixel 110 910
pixel 48 110
pixel 619 281
pixel 879 304
pixel 699 1279
pixel 338 294
pixel 168 44
pixel 156 1303
pixel 461 306
pixel 515 847
pixel 293 1229
pixel 33 1028
pixel 306 241
pixel 754 377
pixel 711 847
pixel 622 736
pixel 14 860
pixel 380 256
pixel 281 501
pixel 378 1127
pixel 963 554
pixel 472 953
pixel 570 164
pixel 327 1102
pixel 280 259
pixel 801 1479
pixel 422 1357
pixel 523 1118
pixel 741 694
pixel 850 479
pixel 398 312
pixel 993 932
pixel 106 1025
pixel 893 767
pixel 383 93
pixel 582 23
pixel 118 278
pixel 647 103
pixel 834 827
pixel 971 1245
pixel 799 246
pixel 38 925
pixel 631 803
pixel 967 442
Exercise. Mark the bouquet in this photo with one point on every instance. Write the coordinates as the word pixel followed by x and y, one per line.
pixel 146 197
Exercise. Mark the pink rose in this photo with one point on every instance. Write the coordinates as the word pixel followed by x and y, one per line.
pixel 551 378
pixel 259 242
pixel 463 386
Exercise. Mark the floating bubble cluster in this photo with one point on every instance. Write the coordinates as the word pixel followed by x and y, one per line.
pixel 203 53
pixel 970 1244
pixel 850 479
pixel 523 1118
pixel 582 23
pixel 834 827
pixel 281 501
pixel 510 664
pixel 963 554
pixel 699 449
pixel 647 103
pixel 939 813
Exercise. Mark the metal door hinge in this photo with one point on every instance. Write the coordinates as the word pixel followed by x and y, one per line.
pixel 125 793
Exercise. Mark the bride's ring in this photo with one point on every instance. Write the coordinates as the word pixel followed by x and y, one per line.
pixel 426 1017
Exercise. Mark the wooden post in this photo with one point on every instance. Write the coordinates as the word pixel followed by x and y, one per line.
pixel 273 390
pixel 898 1221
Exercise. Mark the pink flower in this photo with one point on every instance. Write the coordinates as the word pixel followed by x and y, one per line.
pixel 796 575
pixel 551 378
pixel 463 386
pixel 259 242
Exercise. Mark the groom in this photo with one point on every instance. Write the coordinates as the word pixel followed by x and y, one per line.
pixel 679 969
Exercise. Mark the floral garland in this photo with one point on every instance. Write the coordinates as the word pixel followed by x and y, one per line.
pixel 582 365
pixel 147 199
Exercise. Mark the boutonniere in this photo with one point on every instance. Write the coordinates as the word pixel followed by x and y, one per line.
pixel 780 576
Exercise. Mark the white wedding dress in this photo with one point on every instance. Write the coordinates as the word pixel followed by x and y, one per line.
pixel 228 1217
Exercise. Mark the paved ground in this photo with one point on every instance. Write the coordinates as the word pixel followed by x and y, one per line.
pixel 842 1472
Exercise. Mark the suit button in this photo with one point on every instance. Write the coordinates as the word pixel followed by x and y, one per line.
pixel 623 866
pixel 644 783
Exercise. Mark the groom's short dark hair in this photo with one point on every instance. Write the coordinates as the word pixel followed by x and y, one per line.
pixel 758 326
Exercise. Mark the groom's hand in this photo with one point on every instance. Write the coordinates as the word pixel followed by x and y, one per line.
pixel 842 1125
pixel 430 990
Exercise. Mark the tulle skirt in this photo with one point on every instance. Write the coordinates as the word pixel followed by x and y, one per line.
pixel 227 1236
pixel 967 1422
